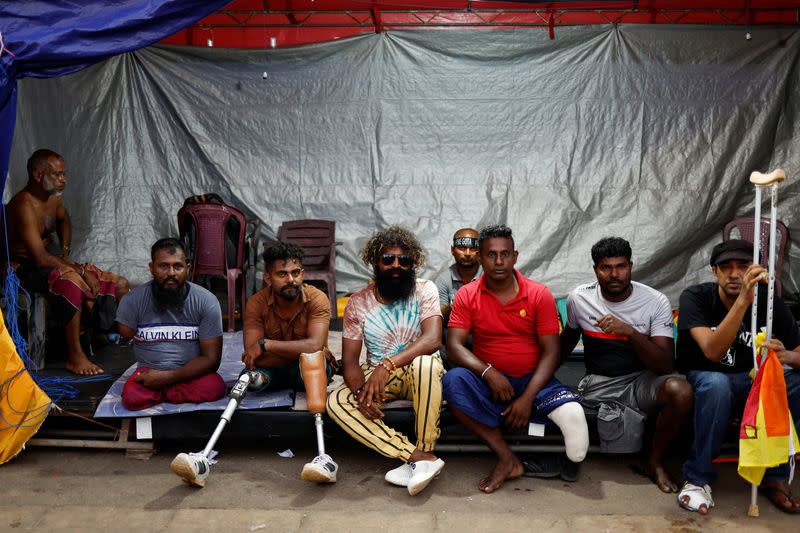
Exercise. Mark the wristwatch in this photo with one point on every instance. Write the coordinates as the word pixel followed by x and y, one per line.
pixel 262 343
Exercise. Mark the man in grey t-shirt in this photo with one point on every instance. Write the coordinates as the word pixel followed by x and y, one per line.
pixel 176 328
pixel 466 268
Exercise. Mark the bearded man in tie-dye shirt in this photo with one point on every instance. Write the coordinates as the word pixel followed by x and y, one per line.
pixel 399 320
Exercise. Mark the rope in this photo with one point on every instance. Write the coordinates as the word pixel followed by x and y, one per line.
pixel 92 420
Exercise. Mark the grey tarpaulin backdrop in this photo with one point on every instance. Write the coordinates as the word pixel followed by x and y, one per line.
pixel 647 132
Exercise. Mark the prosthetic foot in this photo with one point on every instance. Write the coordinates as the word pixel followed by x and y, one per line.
pixel 323 468
pixel 193 468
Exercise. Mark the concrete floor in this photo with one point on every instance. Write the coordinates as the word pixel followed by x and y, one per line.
pixel 256 490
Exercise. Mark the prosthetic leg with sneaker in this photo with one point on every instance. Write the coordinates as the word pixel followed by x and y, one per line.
pixel 193 468
pixel 323 468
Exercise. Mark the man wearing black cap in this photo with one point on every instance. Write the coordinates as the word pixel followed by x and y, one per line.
pixel 715 351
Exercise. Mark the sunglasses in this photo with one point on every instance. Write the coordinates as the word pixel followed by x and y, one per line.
pixel 404 260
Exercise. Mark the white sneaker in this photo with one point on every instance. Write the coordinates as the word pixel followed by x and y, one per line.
pixel 400 476
pixel 423 474
pixel 193 468
pixel 321 470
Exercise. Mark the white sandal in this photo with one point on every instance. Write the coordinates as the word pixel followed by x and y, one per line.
pixel 698 496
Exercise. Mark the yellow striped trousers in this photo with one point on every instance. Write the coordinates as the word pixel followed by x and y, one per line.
pixel 420 382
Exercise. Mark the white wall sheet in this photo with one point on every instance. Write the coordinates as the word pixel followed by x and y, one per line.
pixel 646 132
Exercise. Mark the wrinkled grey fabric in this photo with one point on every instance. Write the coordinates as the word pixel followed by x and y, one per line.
pixel 646 132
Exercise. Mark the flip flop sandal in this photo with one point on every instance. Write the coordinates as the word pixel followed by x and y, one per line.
pixel 543 466
pixel 771 493
pixel 697 496
pixel 569 471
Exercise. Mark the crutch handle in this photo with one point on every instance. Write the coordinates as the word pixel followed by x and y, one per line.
pixel 760 179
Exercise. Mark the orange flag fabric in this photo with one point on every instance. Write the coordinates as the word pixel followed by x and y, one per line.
pixel 23 405
pixel 767 436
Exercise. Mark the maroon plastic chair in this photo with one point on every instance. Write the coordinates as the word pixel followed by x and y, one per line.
pixel 744 228
pixel 317 238
pixel 215 238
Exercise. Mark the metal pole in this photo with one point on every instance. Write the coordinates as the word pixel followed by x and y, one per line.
pixel 320 437
pixel 773 219
pixel 760 180
pixel 226 417
pixel 236 394
pixel 756 261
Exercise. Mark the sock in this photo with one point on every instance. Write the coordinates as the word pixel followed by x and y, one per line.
pixel 571 420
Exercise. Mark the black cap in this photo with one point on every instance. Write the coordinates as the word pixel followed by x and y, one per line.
pixel 732 249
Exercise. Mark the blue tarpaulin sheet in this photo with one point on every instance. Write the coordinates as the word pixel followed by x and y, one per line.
pixel 44 39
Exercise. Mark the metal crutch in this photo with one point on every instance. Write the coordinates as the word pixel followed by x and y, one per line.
pixel 762 181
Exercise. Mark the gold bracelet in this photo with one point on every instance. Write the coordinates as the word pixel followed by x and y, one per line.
pixel 385 367
pixel 391 361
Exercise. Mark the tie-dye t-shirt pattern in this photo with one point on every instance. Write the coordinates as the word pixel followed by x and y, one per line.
pixel 389 329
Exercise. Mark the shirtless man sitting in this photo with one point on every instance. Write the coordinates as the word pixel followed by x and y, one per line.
pixel 36 216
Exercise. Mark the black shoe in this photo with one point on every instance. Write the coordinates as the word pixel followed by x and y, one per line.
pixel 543 466
pixel 569 471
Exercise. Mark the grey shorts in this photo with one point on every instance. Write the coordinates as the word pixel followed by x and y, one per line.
pixel 638 390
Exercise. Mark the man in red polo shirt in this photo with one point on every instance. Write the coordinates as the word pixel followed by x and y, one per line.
pixel 507 377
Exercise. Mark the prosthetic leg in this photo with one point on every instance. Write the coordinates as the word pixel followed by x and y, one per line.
pixel 322 469
pixel 763 181
pixel 193 468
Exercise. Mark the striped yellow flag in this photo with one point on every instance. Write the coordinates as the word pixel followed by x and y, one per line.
pixel 767 436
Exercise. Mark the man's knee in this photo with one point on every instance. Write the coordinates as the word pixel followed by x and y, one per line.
pixel 336 399
pixel 136 396
pixel 423 364
pixel 123 287
pixel 137 402
pixel 455 379
pixel 75 278
pixel 677 392
pixel 713 385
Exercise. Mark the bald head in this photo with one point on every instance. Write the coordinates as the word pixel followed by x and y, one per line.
pixel 465 232
pixel 40 159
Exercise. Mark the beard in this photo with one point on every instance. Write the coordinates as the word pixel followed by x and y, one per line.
pixel 289 292
pixel 395 288
pixel 169 298
pixel 50 187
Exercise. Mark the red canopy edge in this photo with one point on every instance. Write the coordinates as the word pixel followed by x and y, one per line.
pixel 260 23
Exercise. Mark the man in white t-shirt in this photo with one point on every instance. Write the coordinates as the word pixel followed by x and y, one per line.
pixel 628 350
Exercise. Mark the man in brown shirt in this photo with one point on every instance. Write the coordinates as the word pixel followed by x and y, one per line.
pixel 283 320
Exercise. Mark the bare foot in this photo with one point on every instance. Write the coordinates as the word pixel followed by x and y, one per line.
pixel 80 364
pixel 658 474
pixel 780 494
pixel 503 470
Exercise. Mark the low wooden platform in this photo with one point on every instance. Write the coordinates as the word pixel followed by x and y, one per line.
pixel 78 430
